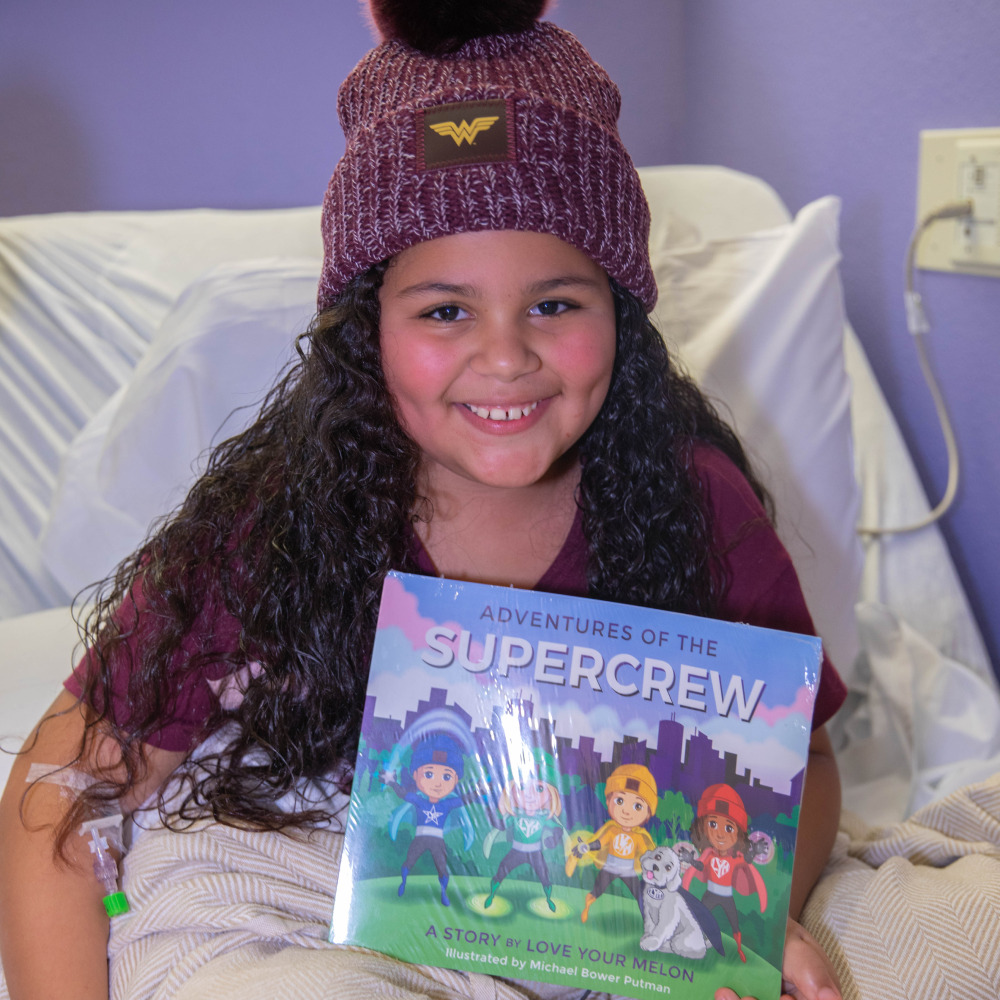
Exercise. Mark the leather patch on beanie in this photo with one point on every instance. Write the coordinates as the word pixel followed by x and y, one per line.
pixel 465 132
pixel 631 785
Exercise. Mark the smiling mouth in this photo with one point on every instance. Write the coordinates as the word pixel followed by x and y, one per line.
pixel 505 413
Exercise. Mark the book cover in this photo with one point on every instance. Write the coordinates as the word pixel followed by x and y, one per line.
pixel 576 792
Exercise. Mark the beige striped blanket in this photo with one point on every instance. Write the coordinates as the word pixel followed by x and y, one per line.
pixel 912 911
pixel 908 912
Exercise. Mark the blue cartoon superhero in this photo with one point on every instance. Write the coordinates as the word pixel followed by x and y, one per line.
pixel 436 767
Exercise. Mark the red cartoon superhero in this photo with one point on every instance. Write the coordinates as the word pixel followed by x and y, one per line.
pixel 720 832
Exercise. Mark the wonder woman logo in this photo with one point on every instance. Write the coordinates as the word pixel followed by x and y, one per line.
pixel 466 132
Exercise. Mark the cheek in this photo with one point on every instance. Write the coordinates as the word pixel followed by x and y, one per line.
pixel 588 363
pixel 415 374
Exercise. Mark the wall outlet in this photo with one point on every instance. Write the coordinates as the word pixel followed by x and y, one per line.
pixel 960 164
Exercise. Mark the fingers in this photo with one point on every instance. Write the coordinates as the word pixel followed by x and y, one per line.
pixel 807 972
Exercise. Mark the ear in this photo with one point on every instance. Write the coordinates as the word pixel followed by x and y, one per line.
pixel 675 873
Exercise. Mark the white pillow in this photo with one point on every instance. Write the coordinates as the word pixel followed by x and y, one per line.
pixel 81 295
pixel 758 320
pixel 202 379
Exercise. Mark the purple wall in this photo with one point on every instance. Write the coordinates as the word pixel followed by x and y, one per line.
pixel 116 105
pixel 232 104
pixel 828 98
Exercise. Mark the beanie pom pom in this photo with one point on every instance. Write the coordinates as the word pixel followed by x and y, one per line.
pixel 443 26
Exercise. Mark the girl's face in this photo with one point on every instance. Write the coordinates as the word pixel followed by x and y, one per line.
pixel 531 795
pixel 721 831
pixel 497 348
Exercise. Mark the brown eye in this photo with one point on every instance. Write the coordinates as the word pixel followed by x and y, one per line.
pixel 445 314
pixel 550 307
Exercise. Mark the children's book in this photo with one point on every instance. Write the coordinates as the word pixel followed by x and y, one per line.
pixel 576 792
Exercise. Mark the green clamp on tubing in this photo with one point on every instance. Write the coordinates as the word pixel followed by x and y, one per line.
pixel 115 904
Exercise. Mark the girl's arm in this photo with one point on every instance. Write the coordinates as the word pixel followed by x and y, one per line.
pixel 819 817
pixel 53 928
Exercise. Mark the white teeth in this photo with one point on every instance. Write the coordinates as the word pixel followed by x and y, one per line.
pixel 502 413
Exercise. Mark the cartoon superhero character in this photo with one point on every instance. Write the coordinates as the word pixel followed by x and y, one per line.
pixel 531 807
pixel 436 766
pixel 631 797
pixel 720 832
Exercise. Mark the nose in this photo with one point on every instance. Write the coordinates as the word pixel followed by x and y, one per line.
pixel 505 350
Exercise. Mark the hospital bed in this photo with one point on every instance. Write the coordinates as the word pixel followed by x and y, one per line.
pixel 129 342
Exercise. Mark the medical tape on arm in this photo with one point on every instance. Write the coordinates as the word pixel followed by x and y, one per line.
pixel 105 831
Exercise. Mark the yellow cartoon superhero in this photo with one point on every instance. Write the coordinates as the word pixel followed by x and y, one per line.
pixel 631 797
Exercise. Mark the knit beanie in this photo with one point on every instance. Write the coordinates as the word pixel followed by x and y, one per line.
pixel 510 130
pixel 438 749
pixel 634 778
pixel 723 800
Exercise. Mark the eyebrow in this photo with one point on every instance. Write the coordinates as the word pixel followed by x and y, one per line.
pixel 563 281
pixel 467 291
pixel 441 287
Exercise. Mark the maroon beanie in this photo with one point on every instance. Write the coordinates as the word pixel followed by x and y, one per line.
pixel 509 131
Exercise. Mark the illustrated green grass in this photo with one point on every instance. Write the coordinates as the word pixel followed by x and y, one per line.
pixel 519 929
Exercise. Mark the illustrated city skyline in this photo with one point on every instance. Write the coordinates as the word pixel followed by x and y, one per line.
pixel 679 762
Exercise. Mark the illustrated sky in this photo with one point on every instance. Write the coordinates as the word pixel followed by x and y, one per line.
pixel 773 744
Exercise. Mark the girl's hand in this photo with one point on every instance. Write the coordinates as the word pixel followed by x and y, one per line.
pixel 806 973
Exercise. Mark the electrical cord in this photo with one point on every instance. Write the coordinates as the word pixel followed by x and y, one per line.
pixel 918 325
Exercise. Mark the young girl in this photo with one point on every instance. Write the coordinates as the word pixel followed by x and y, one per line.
pixel 480 396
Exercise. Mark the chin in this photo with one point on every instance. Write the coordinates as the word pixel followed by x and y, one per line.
pixel 507 481
pixel 526 471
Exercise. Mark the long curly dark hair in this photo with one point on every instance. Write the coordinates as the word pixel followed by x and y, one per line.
pixel 298 519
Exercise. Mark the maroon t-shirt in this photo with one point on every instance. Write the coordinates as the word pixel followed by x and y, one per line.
pixel 763 590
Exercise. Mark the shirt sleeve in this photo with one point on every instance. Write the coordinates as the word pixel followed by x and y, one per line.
pixel 761 586
pixel 191 701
